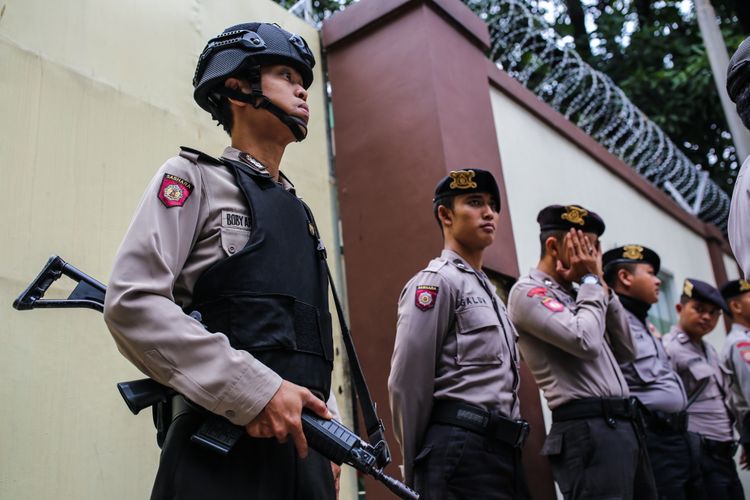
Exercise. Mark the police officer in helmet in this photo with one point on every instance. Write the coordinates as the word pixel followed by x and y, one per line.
pixel 219 287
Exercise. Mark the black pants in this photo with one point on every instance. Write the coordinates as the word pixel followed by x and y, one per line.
pixel 455 463
pixel 720 474
pixel 675 461
pixel 593 460
pixel 256 469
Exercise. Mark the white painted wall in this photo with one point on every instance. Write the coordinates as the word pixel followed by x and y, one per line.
pixel 541 168
pixel 94 96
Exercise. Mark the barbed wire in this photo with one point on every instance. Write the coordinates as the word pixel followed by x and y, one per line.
pixel 530 51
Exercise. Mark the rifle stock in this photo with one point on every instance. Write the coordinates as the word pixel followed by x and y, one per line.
pixel 328 437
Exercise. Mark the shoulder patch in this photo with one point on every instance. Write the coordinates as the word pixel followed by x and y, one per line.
pixel 174 191
pixel 425 297
pixel 743 344
pixel 552 304
pixel 745 353
pixel 539 290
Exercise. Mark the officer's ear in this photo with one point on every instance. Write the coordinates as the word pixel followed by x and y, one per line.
pixel 445 215
pixel 238 84
pixel 625 277
pixel 735 307
pixel 678 307
pixel 552 246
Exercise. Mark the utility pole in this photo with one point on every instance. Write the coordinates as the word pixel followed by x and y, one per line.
pixel 719 59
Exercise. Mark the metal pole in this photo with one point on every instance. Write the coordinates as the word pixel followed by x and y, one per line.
pixel 716 50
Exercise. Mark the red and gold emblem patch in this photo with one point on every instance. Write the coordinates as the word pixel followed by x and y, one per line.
pixel 425 297
pixel 745 355
pixel 540 290
pixel 552 304
pixel 174 191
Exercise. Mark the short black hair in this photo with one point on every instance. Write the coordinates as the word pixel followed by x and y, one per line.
pixel 558 234
pixel 225 115
pixel 610 274
pixel 447 202
pixel 743 105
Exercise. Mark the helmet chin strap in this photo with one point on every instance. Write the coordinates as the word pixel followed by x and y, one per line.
pixel 260 101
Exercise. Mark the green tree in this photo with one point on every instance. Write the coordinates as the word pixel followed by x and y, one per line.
pixel 653 50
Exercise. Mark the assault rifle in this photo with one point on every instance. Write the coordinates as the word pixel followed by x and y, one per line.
pixel 328 437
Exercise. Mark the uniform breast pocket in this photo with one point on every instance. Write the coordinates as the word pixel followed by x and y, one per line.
pixel 233 240
pixel 478 337
pixel 646 363
pixel 700 371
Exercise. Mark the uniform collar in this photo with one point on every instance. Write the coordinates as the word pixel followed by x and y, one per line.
pixel 737 328
pixel 235 154
pixel 459 262
pixel 549 281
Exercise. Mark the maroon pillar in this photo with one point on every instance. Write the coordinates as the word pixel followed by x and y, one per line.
pixel 411 102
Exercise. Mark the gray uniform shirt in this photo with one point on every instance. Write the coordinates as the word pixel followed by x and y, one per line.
pixel 164 252
pixel 450 344
pixel 570 343
pixel 651 377
pixel 694 362
pixel 735 358
pixel 738 227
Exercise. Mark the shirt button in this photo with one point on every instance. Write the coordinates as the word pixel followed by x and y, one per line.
pixel 231 249
pixel 229 413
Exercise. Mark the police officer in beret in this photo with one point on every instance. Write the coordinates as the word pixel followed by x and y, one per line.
pixel 631 271
pixel 573 340
pixel 738 88
pixel 454 373
pixel 229 238
pixel 735 358
pixel 706 385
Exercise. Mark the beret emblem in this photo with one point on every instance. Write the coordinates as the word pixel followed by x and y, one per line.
pixel 463 179
pixel 688 288
pixel 574 214
pixel 632 252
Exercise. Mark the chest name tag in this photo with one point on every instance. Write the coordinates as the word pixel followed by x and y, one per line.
pixel 235 220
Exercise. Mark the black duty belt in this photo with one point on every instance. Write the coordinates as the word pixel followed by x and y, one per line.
pixel 662 422
pixel 480 421
pixel 720 448
pixel 607 408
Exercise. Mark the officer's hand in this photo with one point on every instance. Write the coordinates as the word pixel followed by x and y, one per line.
pixel 583 257
pixel 336 469
pixel 743 459
pixel 281 417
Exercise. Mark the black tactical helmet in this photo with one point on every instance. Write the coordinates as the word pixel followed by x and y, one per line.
pixel 738 72
pixel 240 51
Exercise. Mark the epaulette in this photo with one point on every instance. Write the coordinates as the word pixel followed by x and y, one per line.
pixel 435 265
pixel 194 156
pixel 683 337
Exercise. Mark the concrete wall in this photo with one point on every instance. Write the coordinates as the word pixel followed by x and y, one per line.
pixel 94 96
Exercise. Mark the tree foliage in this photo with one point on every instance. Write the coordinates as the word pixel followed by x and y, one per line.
pixel 653 50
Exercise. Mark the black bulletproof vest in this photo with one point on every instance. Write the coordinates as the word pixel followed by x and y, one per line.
pixel 271 297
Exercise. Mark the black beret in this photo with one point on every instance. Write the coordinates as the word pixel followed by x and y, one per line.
pixel 703 292
pixel 467 181
pixel 738 72
pixel 564 217
pixel 734 288
pixel 632 254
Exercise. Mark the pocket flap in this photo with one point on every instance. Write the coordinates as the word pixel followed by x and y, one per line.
pixel 424 453
pixel 553 445
pixel 699 369
pixel 476 318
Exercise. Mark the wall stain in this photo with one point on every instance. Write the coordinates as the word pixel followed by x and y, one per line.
pixel 2 11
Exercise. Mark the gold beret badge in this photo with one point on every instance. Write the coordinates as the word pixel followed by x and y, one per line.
pixel 632 252
pixel 687 289
pixel 463 179
pixel 575 215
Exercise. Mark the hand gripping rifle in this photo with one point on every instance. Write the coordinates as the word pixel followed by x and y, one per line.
pixel 328 437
